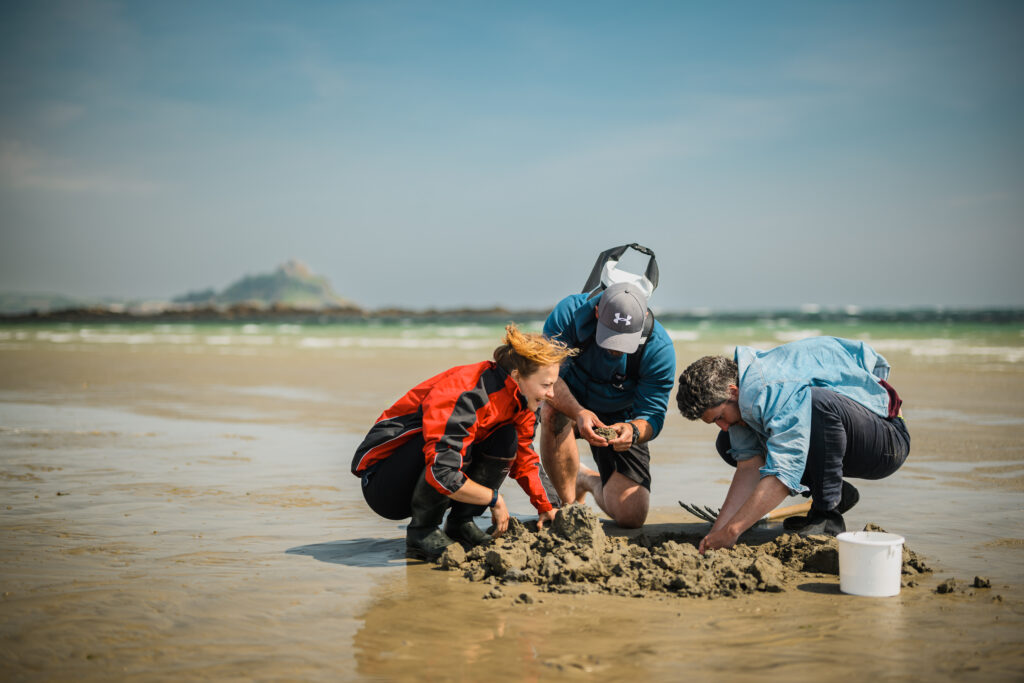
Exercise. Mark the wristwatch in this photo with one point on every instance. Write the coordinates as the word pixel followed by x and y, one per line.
pixel 494 499
pixel 636 433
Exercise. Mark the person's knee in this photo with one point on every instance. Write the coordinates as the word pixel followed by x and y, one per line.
pixel 552 420
pixel 628 502
pixel 631 519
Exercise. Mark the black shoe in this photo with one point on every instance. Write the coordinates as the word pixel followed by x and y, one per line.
pixel 466 532
pixel 823 524
pixel 850 497
pixel 426 544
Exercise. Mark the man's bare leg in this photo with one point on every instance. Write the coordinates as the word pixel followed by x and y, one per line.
pixel 558 452
pixel 622 499
pixel 586 480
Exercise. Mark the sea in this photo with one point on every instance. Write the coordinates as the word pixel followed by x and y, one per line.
pixel 999 343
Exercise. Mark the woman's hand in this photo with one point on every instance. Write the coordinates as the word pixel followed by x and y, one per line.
pixel 545 517
pixel 499 517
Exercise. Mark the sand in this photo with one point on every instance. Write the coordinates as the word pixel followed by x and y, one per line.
pixel 576 556
pixel 171 514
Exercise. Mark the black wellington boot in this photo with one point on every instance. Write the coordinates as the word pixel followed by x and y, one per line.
pixel 486 470
pixel 461 527
pixel 423 538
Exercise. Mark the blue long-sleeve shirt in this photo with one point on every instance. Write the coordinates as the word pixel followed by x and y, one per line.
pixel 775 398
pixel 591 375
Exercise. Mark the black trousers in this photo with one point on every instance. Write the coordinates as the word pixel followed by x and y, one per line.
pixel 847 440
pixel 388 485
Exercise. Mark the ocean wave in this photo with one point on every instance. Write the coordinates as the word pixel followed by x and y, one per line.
pixel 946 348
pixel 217 340
pixel 683 335
pixel 56 337
pixel 94 337
pixel 787 336
pixel 238 340
pixel 393 343
pixel 997 345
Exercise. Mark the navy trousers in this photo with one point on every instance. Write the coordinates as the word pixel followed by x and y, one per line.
pixel 388 485
pixel 847 440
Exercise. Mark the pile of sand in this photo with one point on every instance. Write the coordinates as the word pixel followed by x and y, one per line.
pixel 576 556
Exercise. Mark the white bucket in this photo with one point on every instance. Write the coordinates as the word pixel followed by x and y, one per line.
pixel 870 563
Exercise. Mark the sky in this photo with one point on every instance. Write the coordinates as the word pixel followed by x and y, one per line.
pixel 418 154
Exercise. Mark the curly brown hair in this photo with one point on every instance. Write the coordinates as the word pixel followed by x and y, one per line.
pixel 705 384
pixel 527 352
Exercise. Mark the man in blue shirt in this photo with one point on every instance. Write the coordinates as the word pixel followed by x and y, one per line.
pixel 622 379
pixel 796 419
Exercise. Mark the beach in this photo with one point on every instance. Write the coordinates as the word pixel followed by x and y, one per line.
pixel 177 503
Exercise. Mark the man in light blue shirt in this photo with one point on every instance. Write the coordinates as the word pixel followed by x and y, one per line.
pixel 796 419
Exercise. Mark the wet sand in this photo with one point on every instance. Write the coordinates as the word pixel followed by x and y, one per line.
pixel 170 514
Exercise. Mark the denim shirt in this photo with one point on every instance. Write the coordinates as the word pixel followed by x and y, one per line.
pixel 590 375
pixel 775 398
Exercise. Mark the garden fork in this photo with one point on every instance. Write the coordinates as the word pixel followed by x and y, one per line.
pixel 711 514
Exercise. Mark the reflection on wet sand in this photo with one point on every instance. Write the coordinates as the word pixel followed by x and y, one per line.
pixel 429 624
pixel 167 515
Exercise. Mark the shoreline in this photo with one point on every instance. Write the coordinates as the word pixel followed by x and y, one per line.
pixel 256 312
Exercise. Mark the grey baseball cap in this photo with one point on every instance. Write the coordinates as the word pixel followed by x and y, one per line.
pixel 620 317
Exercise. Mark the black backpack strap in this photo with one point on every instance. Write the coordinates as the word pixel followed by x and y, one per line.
pixel 652 264
pixel 614 254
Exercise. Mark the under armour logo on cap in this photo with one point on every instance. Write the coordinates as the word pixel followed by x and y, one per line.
pixel 619 306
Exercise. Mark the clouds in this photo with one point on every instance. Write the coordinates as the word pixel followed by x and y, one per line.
pixel 506 145
pixel 22 168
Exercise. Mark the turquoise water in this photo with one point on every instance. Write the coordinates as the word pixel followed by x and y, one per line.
pixel 937 341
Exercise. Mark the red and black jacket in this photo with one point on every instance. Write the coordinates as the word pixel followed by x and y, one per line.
pixel 452 410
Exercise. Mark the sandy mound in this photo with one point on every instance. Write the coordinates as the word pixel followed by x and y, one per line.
pixel 576 556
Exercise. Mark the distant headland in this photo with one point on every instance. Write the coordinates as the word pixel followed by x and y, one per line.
pixel 294 294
